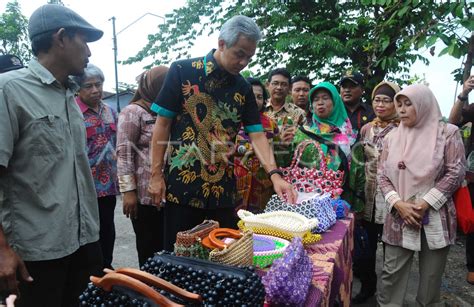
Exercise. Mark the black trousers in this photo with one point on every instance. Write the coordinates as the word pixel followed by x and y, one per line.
pixel 59 282
pixel 107 227
pixel 149 231
pixel 364 267
pixel 180 217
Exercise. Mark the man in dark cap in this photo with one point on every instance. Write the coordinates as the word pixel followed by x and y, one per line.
pixel 48 209
pixel 352 89
pixel 9 62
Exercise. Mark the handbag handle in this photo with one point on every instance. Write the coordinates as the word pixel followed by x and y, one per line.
pixel 160 283
pixel 112 279
pixel 212 241
pixel 299 153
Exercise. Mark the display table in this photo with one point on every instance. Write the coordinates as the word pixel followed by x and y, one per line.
pixel 332 266
pixel 332 270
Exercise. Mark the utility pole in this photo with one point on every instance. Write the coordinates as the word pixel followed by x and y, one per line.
pixel 115 64
pixel 115 50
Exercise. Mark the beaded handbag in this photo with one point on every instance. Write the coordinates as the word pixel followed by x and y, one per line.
pixel 288 279
pixel 217 284
pixel 188 242
pixel 132 287
pixel 267 249
pixel 284 221
pixel 285 225
pixel 341 207
pixel 238 251
pixel 310 205
pixel 304 179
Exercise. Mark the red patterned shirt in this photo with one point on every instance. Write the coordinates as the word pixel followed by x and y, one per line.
pixel 101 128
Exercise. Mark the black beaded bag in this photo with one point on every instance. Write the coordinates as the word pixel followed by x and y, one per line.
pixel 217 284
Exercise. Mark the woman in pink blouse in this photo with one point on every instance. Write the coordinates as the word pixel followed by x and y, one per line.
pixel 422 164
pixel 135 128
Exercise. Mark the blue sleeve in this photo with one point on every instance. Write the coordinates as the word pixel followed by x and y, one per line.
pixel 250 114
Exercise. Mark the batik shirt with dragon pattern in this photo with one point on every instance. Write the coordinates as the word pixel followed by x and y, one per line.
pixel 207 105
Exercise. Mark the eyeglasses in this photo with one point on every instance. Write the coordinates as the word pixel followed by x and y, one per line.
pixel 382 101
pixel 88 86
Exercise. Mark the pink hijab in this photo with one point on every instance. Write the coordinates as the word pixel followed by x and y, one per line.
pixel 415 146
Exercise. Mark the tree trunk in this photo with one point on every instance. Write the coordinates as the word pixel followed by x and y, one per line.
pixel 468 62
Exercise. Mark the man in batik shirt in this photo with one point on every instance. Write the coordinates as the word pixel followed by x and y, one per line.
pixel 200 109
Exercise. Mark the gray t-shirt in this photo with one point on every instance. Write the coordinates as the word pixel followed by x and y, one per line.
pixel 48 205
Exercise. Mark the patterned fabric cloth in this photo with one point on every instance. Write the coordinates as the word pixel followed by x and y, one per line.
pixel 135 128
pixel 336 247
pixel 372 137
pixel 101 129
pixel 254 188
pixel 208 106
pixel 311 157
pixel 441 227
pixel 289 109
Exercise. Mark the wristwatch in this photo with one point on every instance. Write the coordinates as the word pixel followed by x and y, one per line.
pixel 463 98
pixel 275 171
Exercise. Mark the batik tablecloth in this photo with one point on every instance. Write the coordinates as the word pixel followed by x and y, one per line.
pixel 332 266
pixel 335 247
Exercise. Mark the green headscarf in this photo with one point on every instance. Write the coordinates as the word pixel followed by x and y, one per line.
pixel 338 115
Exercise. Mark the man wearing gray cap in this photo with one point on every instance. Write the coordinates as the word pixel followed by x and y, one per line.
pixel 49 221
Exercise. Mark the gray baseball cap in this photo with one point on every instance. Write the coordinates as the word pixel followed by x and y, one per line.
pixel 54 16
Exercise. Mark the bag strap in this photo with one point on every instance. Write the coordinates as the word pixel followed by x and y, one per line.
pixel 331 145
pixel 160 283
pixel 299 153
pixel 112 279
pixel 212 241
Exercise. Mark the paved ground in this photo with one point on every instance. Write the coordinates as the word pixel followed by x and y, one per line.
pixel 456 292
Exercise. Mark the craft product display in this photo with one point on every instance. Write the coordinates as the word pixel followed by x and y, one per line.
pixel 288 279
pixel 283 221
pixel 267 249
pixel 304 179
pixel 238 252
pixel 132 287
pixel 310 205
pixel 217 284
pixel 188 242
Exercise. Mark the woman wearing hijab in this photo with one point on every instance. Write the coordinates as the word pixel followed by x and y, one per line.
pixel 373 214
pixel 253 185
pixel 135 128
pixel 421 165
pixel 329 122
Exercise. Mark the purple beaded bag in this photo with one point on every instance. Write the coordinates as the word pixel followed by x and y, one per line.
pixel 287 281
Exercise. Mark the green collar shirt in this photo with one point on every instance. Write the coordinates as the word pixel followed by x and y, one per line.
pixel 48 205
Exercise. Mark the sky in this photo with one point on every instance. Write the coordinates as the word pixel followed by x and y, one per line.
pixel 132 39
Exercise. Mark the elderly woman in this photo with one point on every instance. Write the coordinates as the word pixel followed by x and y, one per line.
pixel 136 122
pixel 422 164
pixel 330 123
pixel 253 185
pixel 101 127
pixel 373 214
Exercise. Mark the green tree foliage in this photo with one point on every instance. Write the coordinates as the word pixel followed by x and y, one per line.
pixel 14 32
pixel 381 38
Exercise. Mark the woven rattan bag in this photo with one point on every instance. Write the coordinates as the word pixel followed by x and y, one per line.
pixel 188 242
pixel 237 252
